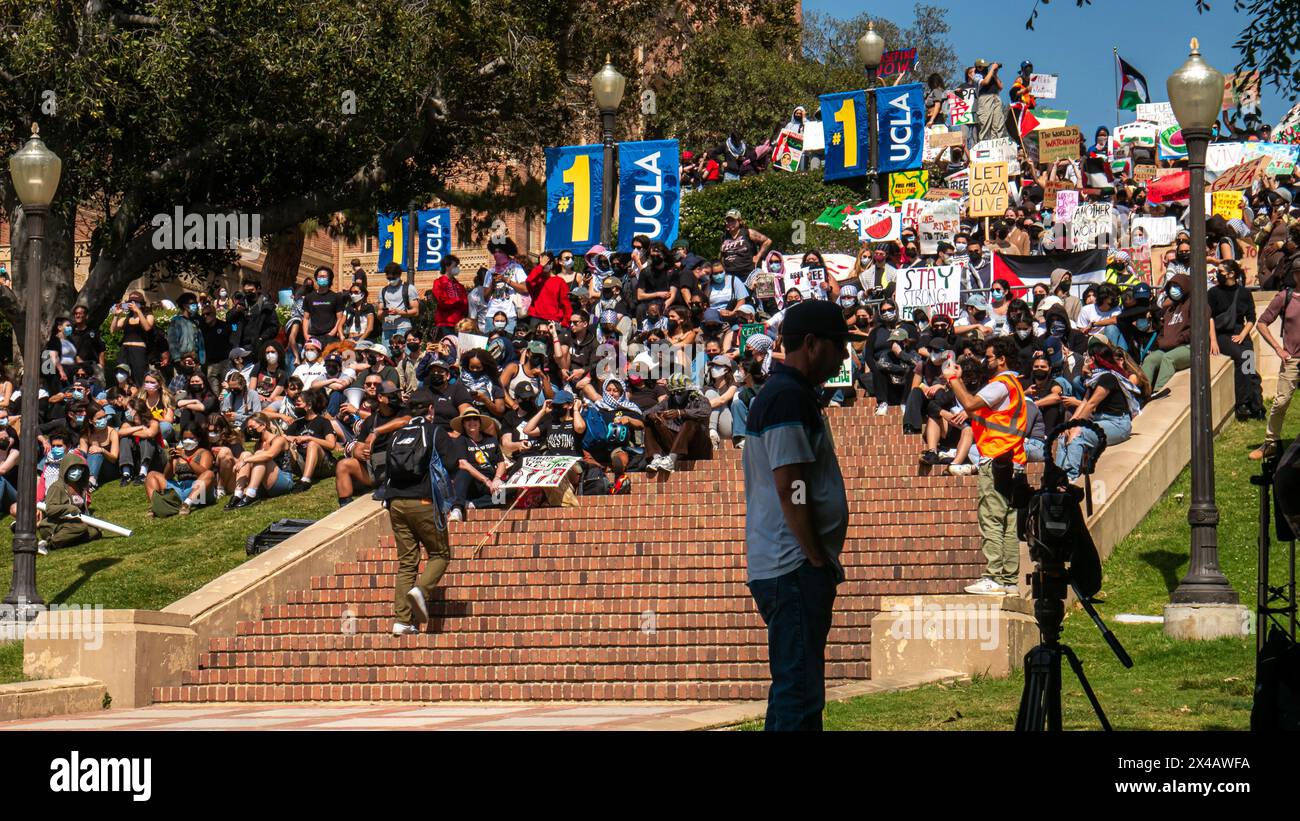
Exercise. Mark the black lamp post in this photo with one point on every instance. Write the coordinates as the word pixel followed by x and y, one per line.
pixel 35 172
pixel 1196 94
pixel 871 48
pixel 608 85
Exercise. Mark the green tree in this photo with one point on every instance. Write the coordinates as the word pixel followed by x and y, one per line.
pixel 832 41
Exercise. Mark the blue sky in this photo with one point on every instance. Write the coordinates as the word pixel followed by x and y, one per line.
pixel 1076 43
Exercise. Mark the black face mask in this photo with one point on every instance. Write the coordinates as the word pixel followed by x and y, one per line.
pixel 437 380
pixel 1042 376
pixel 1185 259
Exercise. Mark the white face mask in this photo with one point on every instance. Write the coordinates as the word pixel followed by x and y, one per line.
pixel 717 372
pixel 355 297
pixel 311 355
pixel 271 358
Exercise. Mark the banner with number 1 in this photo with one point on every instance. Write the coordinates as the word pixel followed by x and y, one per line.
pixel 575 177
pixel 847 127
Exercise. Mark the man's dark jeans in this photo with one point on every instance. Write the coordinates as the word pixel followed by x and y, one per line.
pixel 797 610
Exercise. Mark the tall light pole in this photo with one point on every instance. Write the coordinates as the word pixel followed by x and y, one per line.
pixel 607 85
pixel 871 48
pixel 1196 93
pixel 35 171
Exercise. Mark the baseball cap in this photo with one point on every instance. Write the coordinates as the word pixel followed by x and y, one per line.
pixel 711 315
pixel 937 344
pixel 898 335
pixel 389 388
pixel 818 318
pixel 1142 291
pixel 312 343
pixel 561 397
pixel 981 63
pixel 238 353
pixel 978 302
pixel 733 214
pixel 421 397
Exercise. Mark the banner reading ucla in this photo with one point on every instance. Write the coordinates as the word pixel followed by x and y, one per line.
pixel 574 183
pixel 900 121
pixel 846 125
pixel 435 239
pixel 649 191
pixel 392 239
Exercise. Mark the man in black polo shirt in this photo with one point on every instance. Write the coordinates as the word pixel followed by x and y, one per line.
pixel 90 347
pixel 323 308
pixel 796 512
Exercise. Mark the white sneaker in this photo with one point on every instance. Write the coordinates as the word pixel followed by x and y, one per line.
pixel 715 439
pixel 455 515
pixel 882 409
pixel 961 470
pixel 669 463
pixel 740 444
pixel 43 547
pixel 1011 589
pixel 984 587
pixel 655 464
pixel 403 629
pixel 419 607
pixel 221 492
pixel 950 453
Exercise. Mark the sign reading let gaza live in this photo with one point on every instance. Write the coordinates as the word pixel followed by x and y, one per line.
pixel 649 190
pixel 900 114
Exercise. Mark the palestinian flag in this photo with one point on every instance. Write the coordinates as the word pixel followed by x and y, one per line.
pixel 1024 272
pixel 1132 87
pixel 1025 119
pixel 1051 118
pixel 1170 188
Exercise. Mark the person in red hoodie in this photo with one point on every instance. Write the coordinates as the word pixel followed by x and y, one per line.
pixel 450 299
pixel 549 292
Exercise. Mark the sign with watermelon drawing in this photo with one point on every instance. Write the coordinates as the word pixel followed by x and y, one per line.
pixel 880 224
pixel 1171 145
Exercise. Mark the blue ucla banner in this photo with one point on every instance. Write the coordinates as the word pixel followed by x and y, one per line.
pixel 434 239
pixel 900 125
pixel 649 191
pixel 575 177
pixel 846 125
pixel 392 239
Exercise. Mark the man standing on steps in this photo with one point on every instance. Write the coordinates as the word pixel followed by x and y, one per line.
pixel 796 512
pixel 417 497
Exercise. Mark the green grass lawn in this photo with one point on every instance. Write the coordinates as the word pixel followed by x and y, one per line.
pixel 1173 685
pixel 165 559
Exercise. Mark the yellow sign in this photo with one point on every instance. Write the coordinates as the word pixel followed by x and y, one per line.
pixel 988 189
pixel 1227 204
pixel 908 185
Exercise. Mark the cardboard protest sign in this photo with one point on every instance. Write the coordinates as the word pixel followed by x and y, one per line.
pixel 939 139
pixel 1058 144
pixel 542 471
pixel 938 222
pixel 788 151
pixel 939 194
pixel 1043 86
pixel 908 185
pixel 961 106
pixel 1090 227
pixel 1067 202
pixel 959 181
pixel 1242 176
pixel 1158 263
pixel 1153 230
pixel 1144 172
pixel 896 62
pixel 880 224
pixel 1052 189
pixel 937 290
pixel 1241 91
pixel 1227 204
pixel 989 196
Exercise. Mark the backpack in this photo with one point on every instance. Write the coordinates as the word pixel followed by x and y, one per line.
pixel 165 503
pixel 597 429
pixel 410 452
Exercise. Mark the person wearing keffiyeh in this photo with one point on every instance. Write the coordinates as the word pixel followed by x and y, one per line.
pixel 620 419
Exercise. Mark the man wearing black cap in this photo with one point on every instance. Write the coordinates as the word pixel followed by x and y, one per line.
pixel 416 497
pixel 796 512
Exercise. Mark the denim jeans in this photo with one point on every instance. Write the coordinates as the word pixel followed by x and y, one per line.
pixel 8 495
pixel 1116 338
pixel 739 415
pixel 1118 428
pixel 797 610
pixel 1035 450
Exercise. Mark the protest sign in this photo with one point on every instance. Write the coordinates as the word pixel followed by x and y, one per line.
pixel 911 213
pixel 1140 134
pixel 1058 144
pixel 1170 145
pixel 939 139
pixel 1227 204
pixel 755 328
pixel 961 106
pixel 1158 263
pixel 466 341
pixel 542 471
pixel 1241 91
pixel 937 290
pixel 959 181
pixel 814 138
pixel 844 378
pixel 1043 86
pixel 1144 172
pixel 896 62
pixel 1140 258
pixel 1153 230
pixel 1219 157
pixel 938 222
pixel 1090 227
pixel 988 189
pixel 1282 158
pixel 1288 128
pixel 938 194
pixel 908 185
pixel 880 224
pixel 1162 114
pixel 788 151
pixel 1052 189
pixel 1242 176
pixel 1067 202
pixel 1000 150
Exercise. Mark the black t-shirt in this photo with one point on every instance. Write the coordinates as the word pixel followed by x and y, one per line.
pixel 318 426
pixel 1114 404
pixel 687 286
pixel 322 311
pixel 646 396
pixel 559 438
pixel 484 455
pixel 216 340
pixel 368 426
pixel 279 376
pixel 89 344
pixel 653 281
pixel 447 402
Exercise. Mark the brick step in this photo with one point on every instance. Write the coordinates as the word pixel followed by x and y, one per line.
pixel 724 512
pixel 380 615
pixel 454 648
pixel 627 690
pixel 643 663
pixel 631 555
pixel 918 537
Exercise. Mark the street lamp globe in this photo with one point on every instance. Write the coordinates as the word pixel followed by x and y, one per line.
pixel 871 47
pixel 608 84
pixel 1196 91
pixel 35 171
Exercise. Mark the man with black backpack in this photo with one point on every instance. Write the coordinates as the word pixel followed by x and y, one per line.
pixel 418 496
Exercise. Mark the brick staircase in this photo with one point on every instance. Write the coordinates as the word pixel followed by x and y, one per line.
pixel 628 597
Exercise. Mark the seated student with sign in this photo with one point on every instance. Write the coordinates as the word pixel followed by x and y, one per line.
pixel 559 425
pixel 478 468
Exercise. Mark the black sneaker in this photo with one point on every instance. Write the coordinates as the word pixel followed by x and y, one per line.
pixel 126 479
pixel 235 502
pixel 249 501
pixel 929 457
pixel 301 486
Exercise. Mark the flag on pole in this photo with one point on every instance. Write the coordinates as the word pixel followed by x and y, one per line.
pixel 1051 118
pixel 1025 119
pixel 1132 86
